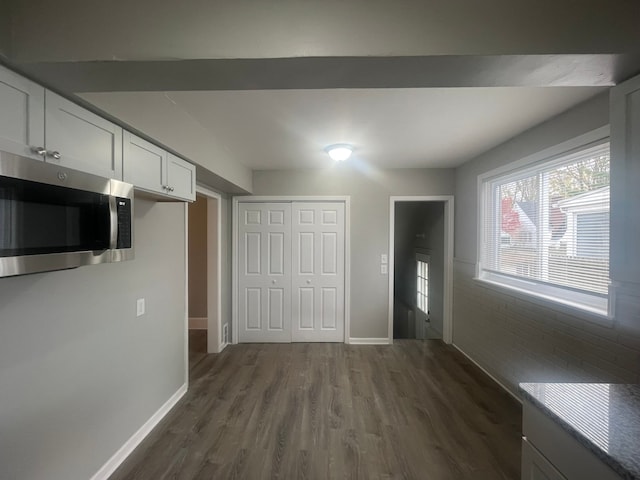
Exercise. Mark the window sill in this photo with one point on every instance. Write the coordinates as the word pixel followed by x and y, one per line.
pixel 590 314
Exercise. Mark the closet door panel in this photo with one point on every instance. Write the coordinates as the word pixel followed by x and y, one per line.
pixel 318 249
pixel 264 272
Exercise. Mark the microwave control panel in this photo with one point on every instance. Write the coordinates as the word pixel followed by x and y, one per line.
pixel 123 206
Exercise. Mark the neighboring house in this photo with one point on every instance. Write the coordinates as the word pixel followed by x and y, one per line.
pixel 587 232
pixel 577 239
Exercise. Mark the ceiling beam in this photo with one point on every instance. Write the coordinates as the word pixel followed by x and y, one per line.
pixel 336 72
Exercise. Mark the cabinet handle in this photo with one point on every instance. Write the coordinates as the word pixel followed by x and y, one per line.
pixel 38 150
pixel 55 154
pixel 171 189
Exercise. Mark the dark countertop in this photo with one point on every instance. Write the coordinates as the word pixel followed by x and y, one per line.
pixel 603 417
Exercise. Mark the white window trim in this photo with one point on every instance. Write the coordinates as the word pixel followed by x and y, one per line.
pixel 573 303
pixel 426 258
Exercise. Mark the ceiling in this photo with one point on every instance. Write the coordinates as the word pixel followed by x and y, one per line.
pixel 389 128
pixel 251 84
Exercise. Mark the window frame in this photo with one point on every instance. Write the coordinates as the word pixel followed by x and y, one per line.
pixel 595 307
pixel 424 258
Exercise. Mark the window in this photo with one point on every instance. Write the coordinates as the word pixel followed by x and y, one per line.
pixel 545 228
pixel 423 283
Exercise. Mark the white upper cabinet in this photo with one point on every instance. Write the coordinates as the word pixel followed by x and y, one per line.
pixel 144 164
pixel 21 115
pixel 150 168
pixel 181 178
pixel 79 139
pixel 40 124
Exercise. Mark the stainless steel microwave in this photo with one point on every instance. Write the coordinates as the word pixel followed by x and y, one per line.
pixel 55 218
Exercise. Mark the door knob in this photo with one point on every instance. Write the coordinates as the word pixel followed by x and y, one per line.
pixel 308 281
pixel 273 281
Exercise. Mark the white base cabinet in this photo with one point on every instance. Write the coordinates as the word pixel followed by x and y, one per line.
pixel 550 453
pixel 535 466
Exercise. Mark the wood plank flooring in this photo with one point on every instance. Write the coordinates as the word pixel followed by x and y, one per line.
pixel 414 410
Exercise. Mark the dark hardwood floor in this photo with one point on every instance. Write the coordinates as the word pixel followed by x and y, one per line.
pixel 414 410
pixel 197 347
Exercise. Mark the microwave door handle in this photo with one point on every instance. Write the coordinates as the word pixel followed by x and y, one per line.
pixel 113 220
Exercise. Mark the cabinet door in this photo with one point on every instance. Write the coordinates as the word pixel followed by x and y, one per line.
pixel 21 115
pixel 535 466
pixel 83 140
pixel 181 178
pixel 144 164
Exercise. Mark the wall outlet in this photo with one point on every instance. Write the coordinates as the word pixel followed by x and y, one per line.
pixel 384 258
pixel 383 269
pixel 140 307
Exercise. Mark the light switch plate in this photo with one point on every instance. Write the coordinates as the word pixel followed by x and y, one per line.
pixel 383 269
pixel 384 258
pixel 140 307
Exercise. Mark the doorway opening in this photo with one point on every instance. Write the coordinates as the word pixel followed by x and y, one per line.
pixel 204 263
pixel 420 267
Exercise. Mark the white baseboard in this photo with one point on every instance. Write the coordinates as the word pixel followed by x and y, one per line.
pixel 125 450
pixel 508 390
pixel 368 341
pixel 221 347
pixel 198 323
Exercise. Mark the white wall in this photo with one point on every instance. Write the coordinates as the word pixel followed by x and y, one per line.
pixel 514 339
pixel 370 190
pixel 79 372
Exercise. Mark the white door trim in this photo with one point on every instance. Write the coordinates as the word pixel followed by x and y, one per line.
pixel 289 198
pixel 215 339
pixel 447 321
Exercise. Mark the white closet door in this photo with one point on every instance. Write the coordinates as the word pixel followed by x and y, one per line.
pixel 264 272
pixel 318 272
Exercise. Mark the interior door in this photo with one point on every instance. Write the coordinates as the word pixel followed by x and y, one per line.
pixel 264 272
pixel 318 272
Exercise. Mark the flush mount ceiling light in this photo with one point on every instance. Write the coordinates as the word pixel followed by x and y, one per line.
pixel 339 152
